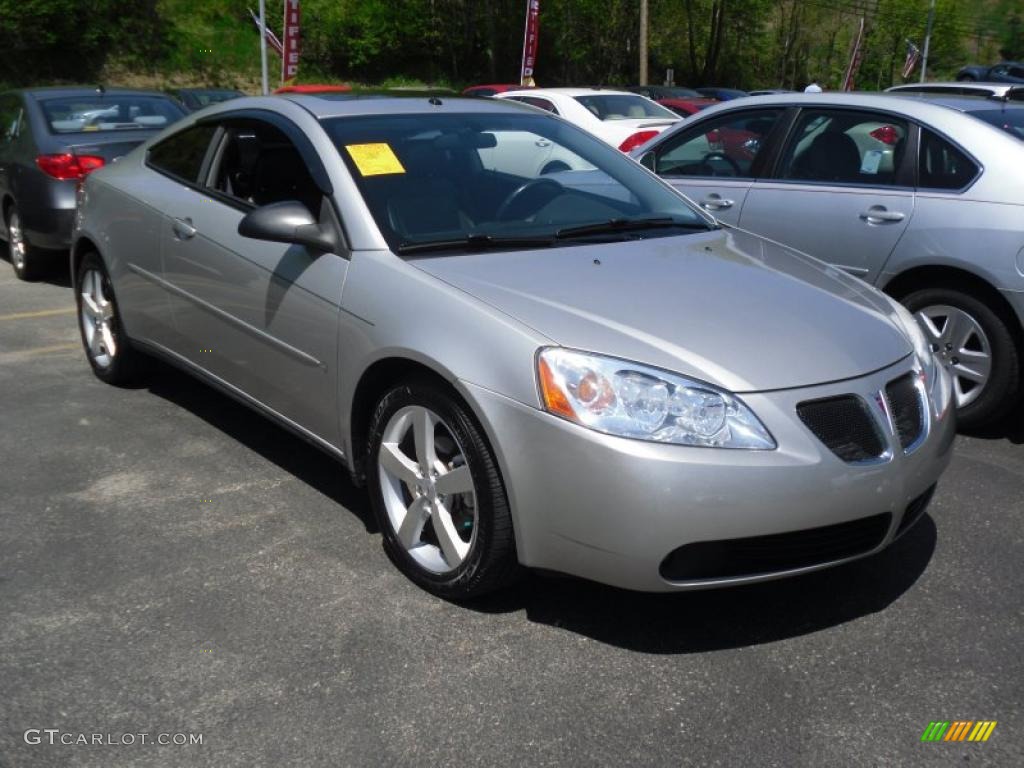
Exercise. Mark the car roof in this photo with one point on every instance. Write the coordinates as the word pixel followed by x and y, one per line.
pixel 954 85
pixel 59 91
pixel 907 101
pixel 362 104
pixel 962 102
pixel 572 92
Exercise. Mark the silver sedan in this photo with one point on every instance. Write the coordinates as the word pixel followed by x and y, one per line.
pixel 580 372
pixel 922 199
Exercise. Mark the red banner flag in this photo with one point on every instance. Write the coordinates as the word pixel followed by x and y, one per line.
pixel 530 42
pixel 290 41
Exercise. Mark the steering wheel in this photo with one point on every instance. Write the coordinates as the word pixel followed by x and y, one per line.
pixel 528 198
pixel 721 156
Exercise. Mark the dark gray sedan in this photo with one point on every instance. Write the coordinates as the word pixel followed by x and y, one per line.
pixel 50 138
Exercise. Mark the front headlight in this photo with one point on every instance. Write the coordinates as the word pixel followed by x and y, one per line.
pixel 922 349
pixel 627 399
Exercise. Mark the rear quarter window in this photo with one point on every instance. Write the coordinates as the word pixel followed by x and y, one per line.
pixel 942 165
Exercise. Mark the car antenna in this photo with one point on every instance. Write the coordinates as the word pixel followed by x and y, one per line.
pixel 435 101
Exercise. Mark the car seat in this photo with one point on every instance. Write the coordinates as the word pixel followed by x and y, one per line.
pixel 832 156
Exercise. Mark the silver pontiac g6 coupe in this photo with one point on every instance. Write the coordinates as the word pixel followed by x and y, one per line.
pixel 576 371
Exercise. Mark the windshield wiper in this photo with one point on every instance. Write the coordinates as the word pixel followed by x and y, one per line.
pixel 612 226
pixel 476 242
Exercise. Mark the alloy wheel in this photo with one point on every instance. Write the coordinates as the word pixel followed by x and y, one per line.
pixel 98 319
pixel 16 242
pixel 428 489
pixel 962 346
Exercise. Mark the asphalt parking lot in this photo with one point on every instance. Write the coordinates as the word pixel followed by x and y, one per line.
pixel 170 563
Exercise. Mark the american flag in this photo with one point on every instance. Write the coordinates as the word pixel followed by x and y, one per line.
pixel 913 55
pixel 272 40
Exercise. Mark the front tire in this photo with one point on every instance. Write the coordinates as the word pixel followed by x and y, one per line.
pixel 107 347
pixel 437 493
pixel 975 345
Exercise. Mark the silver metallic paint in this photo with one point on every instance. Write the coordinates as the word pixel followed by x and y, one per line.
pixel 725 307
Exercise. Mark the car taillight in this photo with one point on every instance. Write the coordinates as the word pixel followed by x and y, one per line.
pixel 636 140
pixel 887 134
pixel 66 167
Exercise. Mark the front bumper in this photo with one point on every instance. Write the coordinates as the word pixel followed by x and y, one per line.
pixel 613 509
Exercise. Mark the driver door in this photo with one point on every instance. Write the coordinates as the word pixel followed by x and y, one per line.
pixel 261 316
pixel 715 161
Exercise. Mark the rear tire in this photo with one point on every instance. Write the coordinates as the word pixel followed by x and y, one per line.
pixel 989 335
pixel 453 538
pixel 107 347
pixel 25 259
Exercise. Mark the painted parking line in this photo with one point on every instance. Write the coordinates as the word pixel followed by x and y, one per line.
pixel 21 354
pixel 38 313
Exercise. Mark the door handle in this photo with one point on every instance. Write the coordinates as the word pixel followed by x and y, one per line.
pixel 183 229
pixel 542 143
pixel 877 214
pixel 715 202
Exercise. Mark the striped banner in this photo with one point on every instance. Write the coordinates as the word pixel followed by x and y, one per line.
pixel 959 730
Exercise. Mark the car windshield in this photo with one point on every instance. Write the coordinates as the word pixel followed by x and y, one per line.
pixel 484 180
pixel 109 112
pixel 1009 119
pixel 623 107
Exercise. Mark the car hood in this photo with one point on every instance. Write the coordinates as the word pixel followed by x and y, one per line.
pixel 725 307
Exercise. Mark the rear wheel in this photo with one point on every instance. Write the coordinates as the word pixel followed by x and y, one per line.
pixel 437 493
pixel 24 258
pixel 975 345
pixel 107 348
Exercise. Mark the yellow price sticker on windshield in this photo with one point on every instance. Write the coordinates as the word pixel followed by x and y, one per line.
pixel 374 159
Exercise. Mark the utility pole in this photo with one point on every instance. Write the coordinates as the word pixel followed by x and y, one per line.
pixel 927 40
pixel 643 42
pixel 263 46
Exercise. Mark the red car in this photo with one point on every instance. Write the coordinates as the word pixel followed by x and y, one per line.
pixel 682 101
pixel 490 90
pixel 686 107
pixel 313 88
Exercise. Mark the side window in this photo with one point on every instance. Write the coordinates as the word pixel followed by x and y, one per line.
pixel 725 145
pixel 845 147
pixel 259 165
pixel 1017 72
pixel 181 155
pixel 10 118
pixel 941 165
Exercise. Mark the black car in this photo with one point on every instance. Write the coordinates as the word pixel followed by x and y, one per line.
pixel 50 138
pixel 722 94
pixel 658 92
pixel 1004 72
pixel 197 98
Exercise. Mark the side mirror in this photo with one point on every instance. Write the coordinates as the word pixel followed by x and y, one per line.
pixel 649 161
pixel 287 222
